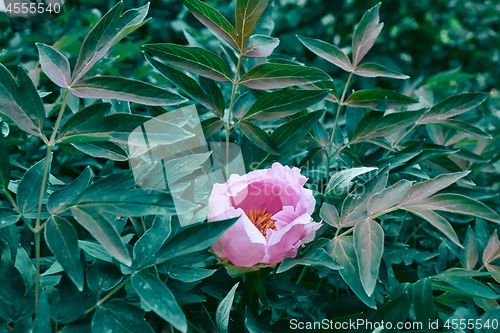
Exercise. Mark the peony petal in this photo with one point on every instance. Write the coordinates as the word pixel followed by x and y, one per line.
pixel 218 247
pixel 242 244
pixel 263 194
pixel 218 206
pixel 285 242
pixel 306 202
pixel 285 217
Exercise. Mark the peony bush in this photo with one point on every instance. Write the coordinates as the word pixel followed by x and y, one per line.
pixel 222 184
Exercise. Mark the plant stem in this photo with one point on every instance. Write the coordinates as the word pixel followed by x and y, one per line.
pixel 345 233
pixel 302 274
pixel 38 228
pixel 329 155
pixel 370 217
pixel 401 138
pixel 231 103
pixel 16 207
pixel 384 212
pixel 265 158
pixel 108 296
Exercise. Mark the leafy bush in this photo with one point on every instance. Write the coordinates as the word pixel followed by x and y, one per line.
pixel 105 171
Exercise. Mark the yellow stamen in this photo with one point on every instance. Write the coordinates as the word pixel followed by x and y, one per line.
pixel 261 220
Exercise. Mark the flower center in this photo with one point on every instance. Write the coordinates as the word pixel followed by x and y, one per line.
pixel 261 220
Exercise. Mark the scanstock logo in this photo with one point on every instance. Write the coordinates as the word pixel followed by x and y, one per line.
pixel 171 152
pixel 28 14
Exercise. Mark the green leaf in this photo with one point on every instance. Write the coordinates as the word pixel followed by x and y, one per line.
pixel 464 127
pixel 95 250
pixel 283 103
pixel 369 69
pixel 103 231
pixel 494 269
pixel 224 309
pixel 462 272
pixel 114 194
pixel 4 165
pixel 213 20
pixel 492 250
pixel 333 96
pixel 58 200
pixel 179 167
pixel 423 303
pixel 253 326
pixel 69 304
pixel 102 276
pixel 188 85
pixel 112 87
pixel 191 274
pixel 8 216
pixel 214 95
pixel 119 316
pixel 260 46
pixel 28 192
pixel 459 204
pixel 110 29
pixel 288 136
pixel 258 136
pixel 25 267
pixel 15 303
pixel 317 258
pixel 193 59
pixel 62 240
pixel 193 238
pixel 366 33
pixel 453 106
pixel 369 246
pixel 184 82
pixel 376 125
pixel 465 286
pixel 152 240
pixel 155 294
pixel 243 103
pixel 102 149
pixel 277 76
pixel 41 324
pixel 328 52
pixel 20 101
pixel 211 126
pixel 341 181
pixel 370 98
pixel 92 124
pixel 388 198
pixel 435 220
pixel 55 65
pixel 342 250
pixel 355 206
pixel 469 254
pixel 330 215
pixel 248 13
pixel 425 189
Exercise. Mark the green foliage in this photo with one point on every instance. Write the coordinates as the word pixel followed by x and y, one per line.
pixel 405 175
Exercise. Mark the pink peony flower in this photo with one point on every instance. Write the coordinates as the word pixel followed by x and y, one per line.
pixel 275 212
